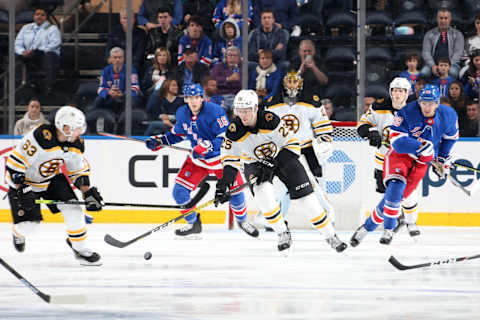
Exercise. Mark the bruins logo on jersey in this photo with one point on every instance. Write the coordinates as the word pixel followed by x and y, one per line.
pixel 386 136
pixel 268 116
pixel 47 134
pixel 265 150
pixel 315 98
pixel 50 167
pixel 292 122
pixel 232 127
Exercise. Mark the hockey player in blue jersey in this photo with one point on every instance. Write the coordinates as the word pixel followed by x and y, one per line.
pixel 204 125
pixel 422 132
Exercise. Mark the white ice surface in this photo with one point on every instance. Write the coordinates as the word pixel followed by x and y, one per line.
pixel 228 275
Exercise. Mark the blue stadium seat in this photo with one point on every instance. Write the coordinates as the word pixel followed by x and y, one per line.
pixel 340 54
pixel 376 90
pixel 378 54
pixel 379 18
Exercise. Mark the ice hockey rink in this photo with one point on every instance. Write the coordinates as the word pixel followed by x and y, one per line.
pixel 228 275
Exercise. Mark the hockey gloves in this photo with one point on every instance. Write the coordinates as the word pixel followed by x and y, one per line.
pixel 93 199
pixel 266 169
pixel 156 143
pixel 441 166
pixel 203 147
pixel 25 198
pixel 374 138
pixel 425 152
pixel 222 193
pixel 379 179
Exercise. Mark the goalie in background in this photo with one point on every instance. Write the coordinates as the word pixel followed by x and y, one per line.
pixel 421 132
pixel 203 124
pixel 33 172
pixel 374 126
pixel 259 143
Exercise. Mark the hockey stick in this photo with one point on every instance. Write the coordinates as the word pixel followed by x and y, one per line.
pixel 65 299
pixel 114 204
pixel 140 140
pixel 397 264
pixel 466 167
pixel 456 183
pixel 120 244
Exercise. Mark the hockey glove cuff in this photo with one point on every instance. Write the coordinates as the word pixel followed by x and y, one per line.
pixel 203 147
pixel 266 170
pixel 18 178
pixel 93 199
pixel 441 166
pixel 425 152
pixel 156 143
pixel 374 138
pixel 25 198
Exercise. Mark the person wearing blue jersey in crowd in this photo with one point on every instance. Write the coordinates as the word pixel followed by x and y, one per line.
pixel 422 132
pixel 204 125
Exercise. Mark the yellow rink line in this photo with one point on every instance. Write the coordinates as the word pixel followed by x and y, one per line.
pixel 130 216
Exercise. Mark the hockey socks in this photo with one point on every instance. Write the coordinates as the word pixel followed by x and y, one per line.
pixel 238 207
pixel 393 198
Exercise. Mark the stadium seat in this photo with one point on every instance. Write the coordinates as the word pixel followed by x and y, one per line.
pixel 379 18
pixel 341 19
pixel 378 54
pixel 341 93
pixel 340 54
pixel 311 20
pixel 411 17
pixel 376 90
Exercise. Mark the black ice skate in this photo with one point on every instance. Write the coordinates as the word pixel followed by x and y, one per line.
pixel 93 259
pixel 386 237
pixel 248 228
pixel 336 243
pixel 284 240
pixel 18 242
pixel 413 229
pixel 358 236
pixel 190 229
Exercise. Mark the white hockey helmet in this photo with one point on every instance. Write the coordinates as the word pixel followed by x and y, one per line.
pixel 401 83
pixel 245 99
pixel 71 117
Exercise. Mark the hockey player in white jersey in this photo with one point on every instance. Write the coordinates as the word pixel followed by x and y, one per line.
pixel 313 129
pixel 263 146
pixel 374 126
pixel 34 171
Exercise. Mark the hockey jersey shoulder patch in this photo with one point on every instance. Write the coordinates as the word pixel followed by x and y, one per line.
pixel 236 130
pixel 267 120
pixel 46 136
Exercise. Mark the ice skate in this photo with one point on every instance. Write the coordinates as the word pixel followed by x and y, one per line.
pixel 413 229
pixel 386 237
pixel 86 258
pixel 18 242
pixel 358 236
pixel 190 231
pixel 400 223
pixel 284 240
pixel 336 243
pixel 248 228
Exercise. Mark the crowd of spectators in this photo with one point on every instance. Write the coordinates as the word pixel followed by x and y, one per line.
pixel 178 42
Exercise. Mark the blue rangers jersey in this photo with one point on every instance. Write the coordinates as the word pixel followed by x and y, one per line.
pixel 410 127
pixel 210 124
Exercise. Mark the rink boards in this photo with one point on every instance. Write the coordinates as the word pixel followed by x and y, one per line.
pixel 126 171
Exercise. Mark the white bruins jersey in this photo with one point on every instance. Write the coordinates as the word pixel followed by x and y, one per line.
pixel 40 156
pixel 246 145
pixel 380 115
pixel 304 120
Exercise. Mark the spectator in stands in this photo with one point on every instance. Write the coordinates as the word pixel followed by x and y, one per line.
pixel 266 78
pixel 201 8
pixel 230 35
pixel 38 44
pixel 443 80
pixel 196 39
pixel 307 63
pixel 190 70
pixel 118 38
pixel 209 85
pixel 328 105
pixel 229 76
pixel 31 119
pixel 442 41
pixel 162 108
pixel 470 127
pixel 419 84
pixel 445 101
pixel 232 10
pixel 473 43
pixel 457 99
pixel 412 61
pixel 158 72
pixel 148 12
pixel 471 78
pixel 269 36
pixel 111 94
pixel 286 13
pixel 165 35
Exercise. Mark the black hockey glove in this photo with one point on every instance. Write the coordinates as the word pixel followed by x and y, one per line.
pixel 379 179
pixel 374 138
pixel 25 197
pixel 93 199
pixel 222 194
pixel 266 171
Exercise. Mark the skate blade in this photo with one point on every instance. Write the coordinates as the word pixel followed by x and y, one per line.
pixel 189 237
pixel 68 299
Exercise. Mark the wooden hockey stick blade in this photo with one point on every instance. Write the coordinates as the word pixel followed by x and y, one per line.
pixel 141 140
pixel 397 264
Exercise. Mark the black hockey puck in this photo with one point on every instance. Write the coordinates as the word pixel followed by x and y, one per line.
pixel 147 255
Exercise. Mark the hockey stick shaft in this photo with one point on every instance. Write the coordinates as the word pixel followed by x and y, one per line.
pixel 457 183
pixel 466 167
pixel 114 204
pixel 397 264
pixel 140 140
